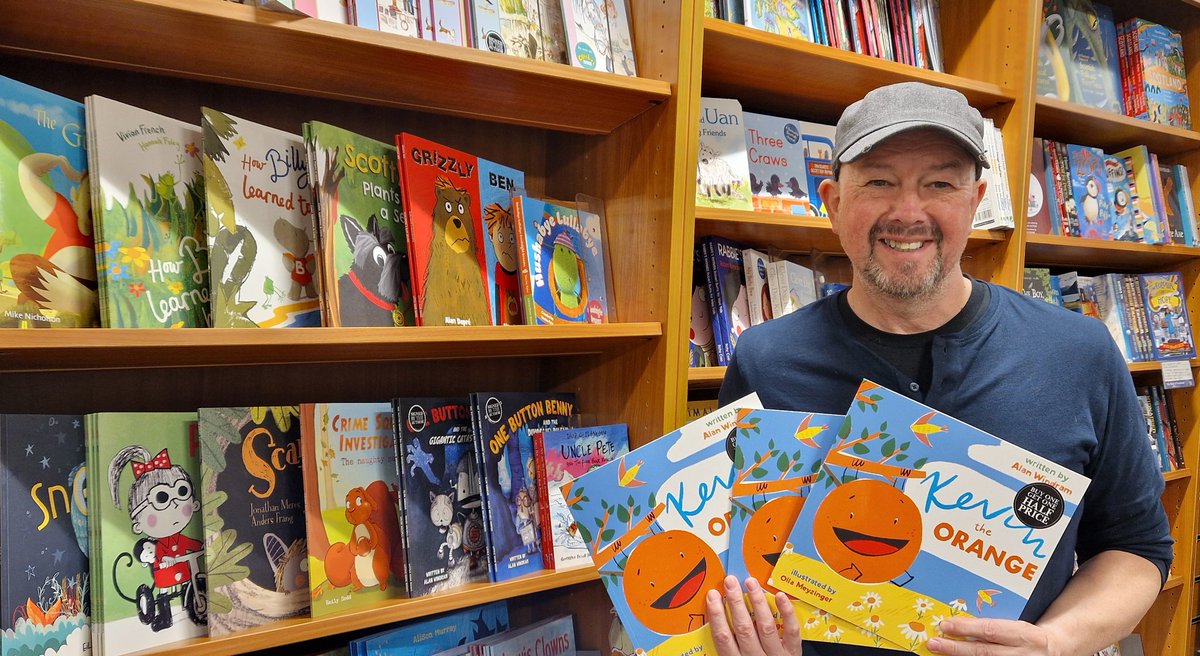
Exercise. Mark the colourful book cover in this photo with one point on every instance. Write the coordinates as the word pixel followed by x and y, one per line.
pixel 552 635
pixel 560 456
pixel 503 422
pixel 720 320
pixel 586 28
pixel 433 634
pixel 445 223
pixel 351 490
pixel 775 152
pixel 362 242
pixel 252 493
pixel 439 479
pixel 562 263
pixel 1090 44
pixel 1148 219
pixel 790 18
pixel 48 259
pixel 485 22
pixel 656 524
pixel 702 345
pixel 261 225
pixel 44 604
pixel 1167 316
pixel 722 173
pixel 1125 226
pixel 926 518
pixel 620 38
pixel 400 17
pixel 1173 203
pixel 146 538
pixel 446 22
pixel 818 160
pixel 498 184
pixel 729 280
pixel 1089 186
pixel 520 29
pixel 1038 214
pixel 758 292
pixel 148 200
pixel 1159 57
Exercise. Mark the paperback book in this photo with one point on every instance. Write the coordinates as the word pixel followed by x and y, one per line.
pixel 723 174
pixel 434 634
pixel 1167 315
pixel 498 185
pixel 775 153
pixel 563 263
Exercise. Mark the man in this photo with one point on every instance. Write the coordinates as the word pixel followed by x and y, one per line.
pixel 906 184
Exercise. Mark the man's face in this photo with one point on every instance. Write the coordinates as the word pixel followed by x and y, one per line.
pixel 903 213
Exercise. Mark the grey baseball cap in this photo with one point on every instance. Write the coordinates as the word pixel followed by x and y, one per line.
pixel 888 111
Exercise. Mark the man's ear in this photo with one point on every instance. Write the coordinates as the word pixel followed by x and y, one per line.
pixel 830 198
pixel 980 190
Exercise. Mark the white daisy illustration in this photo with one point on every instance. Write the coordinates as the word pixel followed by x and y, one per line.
pixel 834 633
pixel 959 605
pixel 821 614
pixel 935 623
pixel 873 601
pixel 874 623
pixel 857 606
pixel 915 632
pixel 811 623
pixel 922 606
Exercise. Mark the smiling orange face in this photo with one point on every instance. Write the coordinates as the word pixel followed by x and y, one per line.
pixel 665 579
pixel 867 531
pixel 766 533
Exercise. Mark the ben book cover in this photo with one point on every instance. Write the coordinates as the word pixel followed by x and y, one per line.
pixel 362 251
pixel 261 225
pixel 723 174
pixel 146 537
pixel 562 455
pixel 434 634
pixel 351 488
pixel 1166 311
pixel 148 202
pixel 441 204
pixel 563 263
pixel 45 212
pixel 926 517
pixel 775 153
pixel 498 186
pixel 439 478
pixel 44 585
pixel 252 495
pixel 503 422
pixel 656 524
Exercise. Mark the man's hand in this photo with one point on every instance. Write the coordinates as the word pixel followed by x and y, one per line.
pixel 753 630
pixel 970 636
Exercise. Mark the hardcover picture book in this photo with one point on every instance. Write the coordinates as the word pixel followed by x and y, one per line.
pixel 655 522
pixel 818 160
pixel 723 174
pixel 498 185
pixel 1167 315
pixel 48 263
pixel 252 494
pixel 926 517
pixel 433 634
pixel 44 586
pixel 790 19
pixel 778 177
pixel 351 504
pixel 1090 189
pixel 552 635
pixel 702 345
pixel 148 202
pixel 563 263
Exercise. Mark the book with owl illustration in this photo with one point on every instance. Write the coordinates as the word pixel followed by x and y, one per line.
pixel 656 524
pixel 49 252
pixel 146 534
pixel 1167 316
pixel 722 174
pixel 362 243
pixel 445 224
pixel 921 517
pixel 148 200
pixel 1090 189
pixel 502 423
pixel 44 604
pixel 498 185
pixel 778 178
pixel 439 479
pixel 562 455
pixel 261 225
pixel 433 634
pixel 252 495
pixel 563 263
pixel 351 505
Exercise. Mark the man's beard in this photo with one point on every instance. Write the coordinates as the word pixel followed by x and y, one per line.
pixel 908 283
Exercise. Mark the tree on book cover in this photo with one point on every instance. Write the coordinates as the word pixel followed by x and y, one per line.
pixel 563 262
pixel 252 491
pixel 44 587
pixel 363 245
pixel 924 517
pixel 1166 311
pixel 439 478
pixel 498 185
pixel 655 522
pixel 441 203
pixel 503 422
pixel 351 503
pixel 47 252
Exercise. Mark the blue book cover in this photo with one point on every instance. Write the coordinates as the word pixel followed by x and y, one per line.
pixel 498 184
pixel 1164 72
pixel 434 634
pixel 1089 188
pixel 729 284
pixel 563 263
pixel 926 518
pixel 552 635
pixel 818 160
pixel 1167 316
pixel 1090 42
pixel 1124 224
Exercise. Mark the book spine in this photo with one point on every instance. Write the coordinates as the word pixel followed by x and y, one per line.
pixel 1189 205
pixel 543 492
pixel 1160 205
pixel 1164 429
pixel 715 306
pixel 398 437
pixel 1140 106
pixel 1070 215
pixel 523 272
pixel 1006 216
pixel 485 502
pixel 1133 296
pixel 1173 426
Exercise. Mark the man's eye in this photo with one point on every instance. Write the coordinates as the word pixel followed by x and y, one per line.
pixel 877 183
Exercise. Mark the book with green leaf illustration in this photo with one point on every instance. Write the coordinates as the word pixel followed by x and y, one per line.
pixel 252 492
pixel 148 204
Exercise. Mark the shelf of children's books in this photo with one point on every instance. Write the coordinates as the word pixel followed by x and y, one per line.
pixel 1177 475
pixel 292 631
pixel 279 51
pixel 751 65
pixel 1056 250
pixel 1109 131
pixel 125 348
pixel 705 377
pixel 1153 366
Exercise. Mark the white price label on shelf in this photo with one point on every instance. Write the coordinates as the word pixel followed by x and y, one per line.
pixel 1177 373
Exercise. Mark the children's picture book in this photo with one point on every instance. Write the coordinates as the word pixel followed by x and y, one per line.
pixel 433 634
pixel 520 28
pixel 758 294
pixel 818 160
pixel 1149 222
pixel 1167 316
pixel 562 455
pixel 722 174
pixel 485 25
pixel 252 495
pixel 1125 225
pixel 351 504
pixel 656 524
pixel 261 225
pixel 146 532
pixel 446 250
pixel 148 202
pixel 498 185
pixel 1174 184
pixel 702 345
pixel 790 19
pixel 563 263
pixel 1161 73
pixel 922 518
pixel 727 292
pixel 775 152
pixel 552 635
pixel 1091 59
pixel 446 22
pixel 791 286
pixel 503 422
pixel 552 31
pixel 1089 188
pixel 44 585
pixel 48 260
pixel 362 243
pixel 399 17
pixel 439 480
pixel 620 37
pixel 598 36
pixel 1038 211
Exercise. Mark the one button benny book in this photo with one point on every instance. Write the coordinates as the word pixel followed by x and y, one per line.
pixel 927 518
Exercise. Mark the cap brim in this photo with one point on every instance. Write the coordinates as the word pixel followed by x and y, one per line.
pixel 864 144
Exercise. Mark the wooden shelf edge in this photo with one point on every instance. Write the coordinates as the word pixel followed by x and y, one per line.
pixel 1064 120
pixel 1154 366
pixel 705 377
pixel 1177 475
pixel 1173 581
pixel 297 630
pixel 1056 250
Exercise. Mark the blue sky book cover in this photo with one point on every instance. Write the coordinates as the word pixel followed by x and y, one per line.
pixel 498 184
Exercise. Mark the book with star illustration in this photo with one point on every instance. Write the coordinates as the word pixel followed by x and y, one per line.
pixel 44 602
pixel 924 517
pixel 563 262
pixel 656 524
